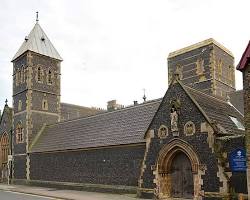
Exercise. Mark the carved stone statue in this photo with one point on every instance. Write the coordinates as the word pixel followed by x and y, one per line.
pixel 174 119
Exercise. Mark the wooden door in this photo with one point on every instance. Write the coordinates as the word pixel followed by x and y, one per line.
pixel 181 177
pixel 4 145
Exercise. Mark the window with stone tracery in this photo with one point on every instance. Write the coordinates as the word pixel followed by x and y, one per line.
pixel 4 148
pixel 19 134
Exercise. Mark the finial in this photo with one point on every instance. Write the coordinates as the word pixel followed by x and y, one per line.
pixel 6 102
pixel 144 96
pixel 37 17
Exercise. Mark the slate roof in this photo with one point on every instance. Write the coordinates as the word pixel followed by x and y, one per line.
pixel 124 126
pixel 236 98
pixel 38 42
pixel 218 110
pixel 128 125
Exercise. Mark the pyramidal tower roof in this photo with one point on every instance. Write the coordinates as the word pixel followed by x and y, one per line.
pixel 38 42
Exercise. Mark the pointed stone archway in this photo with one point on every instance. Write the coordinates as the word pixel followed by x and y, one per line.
pixel 4 151
pixel 178 171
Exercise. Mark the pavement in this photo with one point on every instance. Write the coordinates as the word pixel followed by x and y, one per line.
pixel 66 194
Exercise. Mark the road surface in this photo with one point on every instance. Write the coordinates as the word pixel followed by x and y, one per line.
pixel 6 195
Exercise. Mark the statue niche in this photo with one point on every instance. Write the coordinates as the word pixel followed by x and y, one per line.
pixel 174 121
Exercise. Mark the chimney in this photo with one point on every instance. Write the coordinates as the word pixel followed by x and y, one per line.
pixel 112 105
pixel 135 103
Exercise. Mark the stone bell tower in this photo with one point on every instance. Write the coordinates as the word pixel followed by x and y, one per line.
pixel 36 94
pixel 206 66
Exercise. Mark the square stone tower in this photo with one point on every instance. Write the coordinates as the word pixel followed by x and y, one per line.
pixel 36 95
pixel 207 66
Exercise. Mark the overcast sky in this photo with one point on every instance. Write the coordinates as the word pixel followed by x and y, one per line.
pixel 113 49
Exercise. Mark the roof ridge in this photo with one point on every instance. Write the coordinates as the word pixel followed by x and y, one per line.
pixel 208 95
pixel 107 112
pixel 199 45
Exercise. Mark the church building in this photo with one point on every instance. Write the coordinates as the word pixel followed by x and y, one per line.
pixel 182 145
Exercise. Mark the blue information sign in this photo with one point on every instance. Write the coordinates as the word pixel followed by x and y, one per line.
pixel 238 160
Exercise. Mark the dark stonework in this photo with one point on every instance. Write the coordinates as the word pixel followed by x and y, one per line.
pixel 19 148
pixel 238 180
pixel 188 112
pixel 188 61
pixel 45 63
pixel 19 169
pixel 111 166
pixel 209 81
pixel 32 115
pixel 37 99
pixel 17 66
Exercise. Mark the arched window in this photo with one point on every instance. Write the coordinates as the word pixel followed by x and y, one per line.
pixel 19 133
pixel 219 68
pixel 231 75
pixel 39 74
pixel 19 105
pixel 50 77
pixel 4 148
pixel 17 77
pixel 45 104
pixel 22 75
pixel 26 74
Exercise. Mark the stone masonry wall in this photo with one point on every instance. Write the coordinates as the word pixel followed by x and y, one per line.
pixel 112 166
pixel 19 169
pixel 199 141
pixel 238 180
pixel 190 74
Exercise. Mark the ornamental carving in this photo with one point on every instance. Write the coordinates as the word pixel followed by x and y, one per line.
pixel 179 71
pixel 174 119
pixel 189 128
pixel 163 132
pixel 200 67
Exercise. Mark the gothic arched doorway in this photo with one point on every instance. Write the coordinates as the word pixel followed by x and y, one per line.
pixel 177 175
pixel 181 176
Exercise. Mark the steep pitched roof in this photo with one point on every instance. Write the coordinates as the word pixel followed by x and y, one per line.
pixel 125 126
pixel 38 42
pixel 218 111
pixel 244 59
pixel 6 118
pixel 236 98
pixel 128 126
